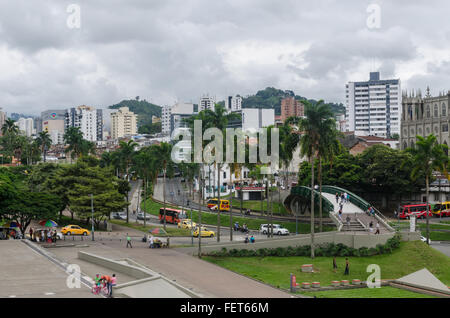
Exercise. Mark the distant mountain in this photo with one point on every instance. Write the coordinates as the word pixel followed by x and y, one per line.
pixel 271 98
pixel 145 111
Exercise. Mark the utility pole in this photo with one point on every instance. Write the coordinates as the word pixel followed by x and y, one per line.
pixel 199 215
pixel 92 210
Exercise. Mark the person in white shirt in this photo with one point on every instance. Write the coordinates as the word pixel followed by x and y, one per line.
pixel 151 242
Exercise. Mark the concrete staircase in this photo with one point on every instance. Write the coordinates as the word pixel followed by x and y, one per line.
pixel 354 226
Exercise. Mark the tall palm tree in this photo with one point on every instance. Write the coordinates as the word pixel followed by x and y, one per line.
pixel 73 137
pixel 316 117
pixel 126 153
pixel 428 156
pixel 44 141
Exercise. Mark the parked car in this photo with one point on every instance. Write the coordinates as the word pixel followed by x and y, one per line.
pixel 277 229
pixel 204 232
pixel 140 216
pixel 74 230
pixel 119 215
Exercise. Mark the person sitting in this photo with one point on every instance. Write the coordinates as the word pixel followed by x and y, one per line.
pixel 252 239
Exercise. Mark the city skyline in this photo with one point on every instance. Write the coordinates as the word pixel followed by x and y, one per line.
pixel 158 52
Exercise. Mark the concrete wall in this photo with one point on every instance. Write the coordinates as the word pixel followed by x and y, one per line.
pixel 410 236
pixel 348 239
pixel 129 270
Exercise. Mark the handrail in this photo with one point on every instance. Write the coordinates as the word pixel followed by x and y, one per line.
pixel 359 202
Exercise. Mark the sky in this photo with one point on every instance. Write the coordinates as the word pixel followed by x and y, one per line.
pixel 56 54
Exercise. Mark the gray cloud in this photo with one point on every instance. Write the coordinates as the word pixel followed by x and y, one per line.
pixel 169 50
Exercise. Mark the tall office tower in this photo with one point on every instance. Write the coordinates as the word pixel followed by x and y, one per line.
pixel 26 126
pixel 233 103
pixel 38 125
pixel 85 118
pixel 207 102
pixel 123 123
pixel 373 108
pixel 172 116
pixel 99 124
pixel 53 122
pixel 291 107
pixel 2 119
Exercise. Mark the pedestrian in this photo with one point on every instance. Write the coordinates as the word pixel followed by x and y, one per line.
pixel 246 238
pixel 337 197
pixel 345 197
pixel 334 264
pixel 340 214
pixel 112 284
pixel 129 241
pixel 151 242
pixel 31 233
pixel 346 272
pixel 348 221
pixel 371 227
pixel 252 239
pixel 378 228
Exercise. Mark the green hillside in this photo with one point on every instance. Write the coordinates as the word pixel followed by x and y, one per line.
pixel 145 111
pixel 271 98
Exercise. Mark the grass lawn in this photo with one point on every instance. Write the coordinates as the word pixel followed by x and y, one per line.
pixel 255 205
pixel 140 227
pixel 153 207
pixel 434 235
pixel 408 258
pixel 383 292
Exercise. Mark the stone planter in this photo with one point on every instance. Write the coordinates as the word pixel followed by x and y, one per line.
pixel 316 285
pixel 345 282
pixel 356 282
pixel 335 283
pixel 307 268
pixel 306 285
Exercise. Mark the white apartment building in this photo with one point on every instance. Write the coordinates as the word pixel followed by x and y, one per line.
pixel 26 125
pixel 123 123
pixel 233 103
pixel 373 108
pixel 88 119
pixel 172 116
pixel 2 118
pixel 206 102
pixel 255 118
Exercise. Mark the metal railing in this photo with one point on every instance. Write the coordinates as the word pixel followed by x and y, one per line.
pixel 360 203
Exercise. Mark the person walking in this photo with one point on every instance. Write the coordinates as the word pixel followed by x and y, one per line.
pixel 129 241
pixel 151 245
pixel 334 264
pixel 378 228
pixel 345 197
pixel 340 214
pixel 371 227
pixel 31 233
pixel 348 221
pixel 337 197
pixel 347 269
pixel 113 283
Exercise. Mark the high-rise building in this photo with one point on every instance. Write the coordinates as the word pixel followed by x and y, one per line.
pixel 424 116
pixel 255 118
pixel 373 108
pixel 85 118
pixel 26 125
pixel 291 107
pixel 206 102
pixel 233 103
pixel 2 118
pixel 172 116
pixel 123 123
pixel 53 121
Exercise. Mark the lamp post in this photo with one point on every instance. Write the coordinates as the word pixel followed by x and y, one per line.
pixel 92 210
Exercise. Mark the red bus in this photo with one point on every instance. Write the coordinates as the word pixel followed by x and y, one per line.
pixel 172 215
pixel 419 210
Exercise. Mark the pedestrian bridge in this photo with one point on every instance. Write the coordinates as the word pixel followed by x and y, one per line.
pixel 298 202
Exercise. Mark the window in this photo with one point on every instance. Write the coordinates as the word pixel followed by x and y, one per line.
pixel 436 110
pixel 444 127
pixel 444 110
pixel 428 111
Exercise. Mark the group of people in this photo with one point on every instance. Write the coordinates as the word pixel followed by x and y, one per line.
pixel 344 196
pixel 9 234
pixel 104 282
pixel 347 266
pixel 237 227
pixel 377 226
pixel 49 236
pixel 251 239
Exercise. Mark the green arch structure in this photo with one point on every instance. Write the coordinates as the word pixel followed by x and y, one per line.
pixel 303 196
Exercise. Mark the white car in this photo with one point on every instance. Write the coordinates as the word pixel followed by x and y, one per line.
pixel 424 239
pixel 140 216
pixel 119 215
pixel 277 229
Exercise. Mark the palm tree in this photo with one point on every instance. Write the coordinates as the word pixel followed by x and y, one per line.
pixel 126 153
pixel 44 141
pixel 317 116
pixel 73 137
pixel 428 156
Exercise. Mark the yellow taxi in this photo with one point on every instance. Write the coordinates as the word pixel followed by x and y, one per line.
pixel 74 230
pixel 186 224
pixel 204 233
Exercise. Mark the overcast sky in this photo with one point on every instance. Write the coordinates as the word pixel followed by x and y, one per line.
pixel 169 50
